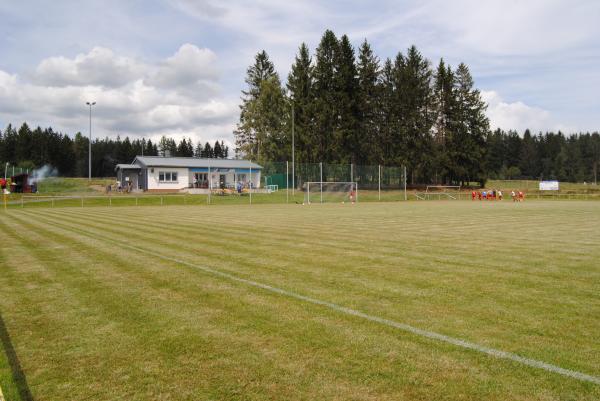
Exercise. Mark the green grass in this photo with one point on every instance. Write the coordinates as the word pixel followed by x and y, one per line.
pixel 61 185
pixel 8 384
pixel 90 319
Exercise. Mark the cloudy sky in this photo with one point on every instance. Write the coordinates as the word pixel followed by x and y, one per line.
pixel 177 66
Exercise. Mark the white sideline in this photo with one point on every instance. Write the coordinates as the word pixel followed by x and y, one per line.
pixel 352 312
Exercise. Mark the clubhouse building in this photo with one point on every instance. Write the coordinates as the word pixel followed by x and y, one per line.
pixel 187 174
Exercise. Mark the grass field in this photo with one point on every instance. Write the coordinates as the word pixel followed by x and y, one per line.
pixel 290 302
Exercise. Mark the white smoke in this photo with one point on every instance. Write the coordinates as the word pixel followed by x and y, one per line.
pixel 42 173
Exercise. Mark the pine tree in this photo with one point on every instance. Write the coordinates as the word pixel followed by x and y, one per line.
pixel 471 129
pixel 217 150
pixel 414 95
pixel 528 158
pixel 300 86
pixel 346 140
pixel 199 151
pixel 390 140
pixel 246 132
pixel 150 149
pixel 324 90
pixel 208 151
pixel 368 105
pixel 167 147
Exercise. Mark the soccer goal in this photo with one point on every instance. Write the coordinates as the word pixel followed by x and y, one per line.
pixel 327 191
pixel 439 192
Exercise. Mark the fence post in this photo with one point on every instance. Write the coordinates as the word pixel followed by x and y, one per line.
pixel 379 181
pixel 82 201
pixel 110 200
pixel 287 182
pixel 250 184
pixel 161 200
pixel 136 200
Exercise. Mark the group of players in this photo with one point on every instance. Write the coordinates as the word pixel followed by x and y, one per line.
pixel 493 194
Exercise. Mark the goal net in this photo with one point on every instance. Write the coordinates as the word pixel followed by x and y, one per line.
pixel 321 192
pixel 439 192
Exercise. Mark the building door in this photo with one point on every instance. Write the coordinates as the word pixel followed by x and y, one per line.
pixel 201 180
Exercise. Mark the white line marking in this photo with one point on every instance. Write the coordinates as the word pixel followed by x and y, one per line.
pixel 352 312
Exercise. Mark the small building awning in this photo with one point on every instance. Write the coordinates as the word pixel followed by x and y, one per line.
pixel 127 167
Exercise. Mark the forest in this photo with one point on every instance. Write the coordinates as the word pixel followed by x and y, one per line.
pixel 345 107
pixel 508 155
pixel 33 148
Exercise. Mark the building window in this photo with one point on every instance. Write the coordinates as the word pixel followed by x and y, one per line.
pixel 167 176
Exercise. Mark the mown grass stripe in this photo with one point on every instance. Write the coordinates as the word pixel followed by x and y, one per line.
pixel 352 312
pixel 414 249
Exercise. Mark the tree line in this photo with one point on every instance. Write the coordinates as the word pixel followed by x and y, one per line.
pixel 348 108
pixel 32 148
pixel 574 158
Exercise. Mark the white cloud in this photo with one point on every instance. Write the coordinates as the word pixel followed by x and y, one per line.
pixel 178 95
pixel 188 67
pixel 518 115
pixel 98 67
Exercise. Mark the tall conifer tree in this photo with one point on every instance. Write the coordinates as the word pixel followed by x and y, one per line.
pixel 300 87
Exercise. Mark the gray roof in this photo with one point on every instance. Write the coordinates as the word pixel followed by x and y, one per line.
pixel 127 166
pixel 159 161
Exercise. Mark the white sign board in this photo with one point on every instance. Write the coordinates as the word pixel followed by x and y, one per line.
pixel 548 185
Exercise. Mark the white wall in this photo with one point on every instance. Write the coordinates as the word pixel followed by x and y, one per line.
pixel 183 179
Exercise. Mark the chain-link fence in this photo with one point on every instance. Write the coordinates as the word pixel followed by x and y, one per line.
pixel 371 181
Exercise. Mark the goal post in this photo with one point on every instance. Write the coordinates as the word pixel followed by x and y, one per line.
pixel 331 191
pixel 440 192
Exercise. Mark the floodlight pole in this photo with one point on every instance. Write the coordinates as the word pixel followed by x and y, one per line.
pixel 90 143
pixel 293 153
pixel 287 182
pixel 250 183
